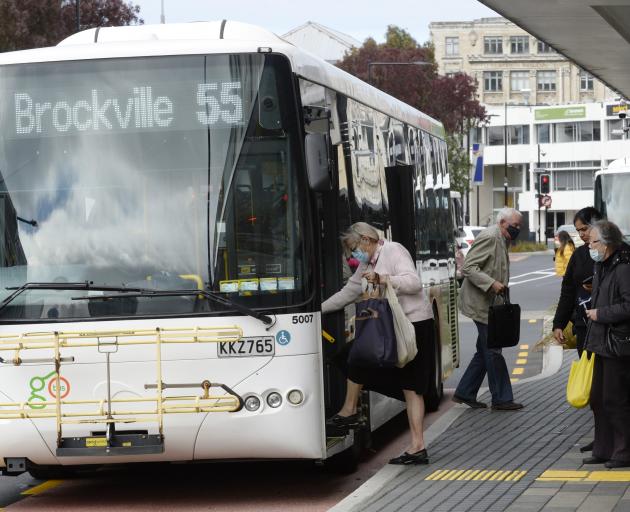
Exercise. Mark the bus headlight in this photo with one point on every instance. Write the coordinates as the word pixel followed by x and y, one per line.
pixel 274 399
pixel 252 403
pixel 295 397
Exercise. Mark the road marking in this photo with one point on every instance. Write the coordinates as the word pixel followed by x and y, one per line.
pixel 477 475
pixel 514 380
pixel 523 354
pixel 584 476
pixel 524 347
pixel 532 320
pixel 38 489
pixel 541 271
pixel 550 274
pixel 521 361
pixel 518 371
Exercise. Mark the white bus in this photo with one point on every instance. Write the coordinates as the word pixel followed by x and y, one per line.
pixel 171 202
pixel 612 189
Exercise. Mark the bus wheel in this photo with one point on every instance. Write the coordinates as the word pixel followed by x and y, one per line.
pixel 436 392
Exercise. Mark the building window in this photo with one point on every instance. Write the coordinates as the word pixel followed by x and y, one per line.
pixel 584 131
pixel 452 46
pixel 475 135
pixel 586 81
pixel 492 81
pixel 546 80
pixel 543 133
pixel 519 44
pixel 614 125
pixel 573 179
pixel 544 48
pixel 519 80
pixel 495 135
pixel 518 134
pixel 492 45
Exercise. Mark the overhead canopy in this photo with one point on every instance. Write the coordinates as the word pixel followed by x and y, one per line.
pixel 595 34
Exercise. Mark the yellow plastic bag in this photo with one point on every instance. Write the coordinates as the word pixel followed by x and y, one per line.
pixel 580 379
pixel 569 337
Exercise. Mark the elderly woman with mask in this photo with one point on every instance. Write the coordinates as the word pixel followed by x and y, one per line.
pixel 382 262
pixel 609 314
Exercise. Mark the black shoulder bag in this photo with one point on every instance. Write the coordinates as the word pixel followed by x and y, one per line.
pixel 504 322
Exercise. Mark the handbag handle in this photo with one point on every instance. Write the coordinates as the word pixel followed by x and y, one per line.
pixel 505 295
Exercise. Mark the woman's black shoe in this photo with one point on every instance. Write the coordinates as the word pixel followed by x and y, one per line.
pixel 587 447
pixel 343 421
pixel 408 459
pixel 593 460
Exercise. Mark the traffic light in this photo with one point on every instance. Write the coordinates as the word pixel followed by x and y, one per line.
pixel 544 183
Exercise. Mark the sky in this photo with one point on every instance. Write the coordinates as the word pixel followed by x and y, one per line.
pixel 359 19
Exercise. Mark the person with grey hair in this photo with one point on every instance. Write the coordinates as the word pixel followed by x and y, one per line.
pixel 609 320
pixel 382 262
pixel 486 274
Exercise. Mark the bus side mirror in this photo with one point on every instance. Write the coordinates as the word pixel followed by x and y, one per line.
pixel 317 164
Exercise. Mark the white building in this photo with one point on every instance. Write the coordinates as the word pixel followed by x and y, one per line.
pixel 328 44
pixel 570 142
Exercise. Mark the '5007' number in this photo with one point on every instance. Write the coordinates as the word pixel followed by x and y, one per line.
pixel 302 319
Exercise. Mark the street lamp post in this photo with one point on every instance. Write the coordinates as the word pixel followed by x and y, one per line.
pixel 505 143
pixel 77 6
pixel 412 63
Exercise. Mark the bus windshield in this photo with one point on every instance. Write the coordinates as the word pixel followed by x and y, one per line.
pixel 611 197
pixel 164 173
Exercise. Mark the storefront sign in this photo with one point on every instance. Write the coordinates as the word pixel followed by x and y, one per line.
pixel 547 114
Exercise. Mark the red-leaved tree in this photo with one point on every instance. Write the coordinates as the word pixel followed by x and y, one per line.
pixel 28 24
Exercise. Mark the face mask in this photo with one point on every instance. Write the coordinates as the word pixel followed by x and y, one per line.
pixel 513 232
pixel 596 255
pixel 360 255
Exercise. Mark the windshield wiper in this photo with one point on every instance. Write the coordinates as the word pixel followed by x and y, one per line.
pixel 81 285
pixel 267 320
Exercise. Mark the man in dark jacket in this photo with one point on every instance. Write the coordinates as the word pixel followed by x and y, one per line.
pixel 575 293
pixel 609 312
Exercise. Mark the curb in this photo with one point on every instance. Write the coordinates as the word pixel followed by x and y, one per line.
pixel 552 361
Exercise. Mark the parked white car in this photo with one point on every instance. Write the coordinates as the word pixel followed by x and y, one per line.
pixel 569 228
pixel 471 232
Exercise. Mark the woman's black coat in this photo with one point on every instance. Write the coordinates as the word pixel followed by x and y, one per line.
pixel 611 299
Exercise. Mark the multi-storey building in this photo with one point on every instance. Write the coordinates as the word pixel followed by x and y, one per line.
pixel 520 79
pixel 510 65
pixel 569 142
pixel 325 42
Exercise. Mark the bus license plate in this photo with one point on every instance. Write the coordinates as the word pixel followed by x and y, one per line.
pixel 247 347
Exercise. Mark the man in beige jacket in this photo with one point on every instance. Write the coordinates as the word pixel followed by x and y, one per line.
pixel 486 273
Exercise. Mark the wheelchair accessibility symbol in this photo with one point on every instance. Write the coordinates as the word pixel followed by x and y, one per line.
pixel 283 338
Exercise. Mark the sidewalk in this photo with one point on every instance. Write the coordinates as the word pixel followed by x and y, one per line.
pixel 523 461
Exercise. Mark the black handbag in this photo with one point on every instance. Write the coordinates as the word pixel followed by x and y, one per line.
pixel 374 343
pixel 618 342
pixel 504 323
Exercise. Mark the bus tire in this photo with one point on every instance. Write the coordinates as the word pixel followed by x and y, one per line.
pixel 436 391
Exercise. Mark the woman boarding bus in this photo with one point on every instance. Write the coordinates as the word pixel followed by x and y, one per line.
pixel 172 198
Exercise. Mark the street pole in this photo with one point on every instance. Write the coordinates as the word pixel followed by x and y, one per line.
pixel 505 142
pixel 162 17
pixel 77 6
pixel 538 196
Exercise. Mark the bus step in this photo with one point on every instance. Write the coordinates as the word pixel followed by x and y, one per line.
pixel 121 444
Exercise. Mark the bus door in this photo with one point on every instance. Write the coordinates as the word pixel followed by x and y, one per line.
pixel 399 180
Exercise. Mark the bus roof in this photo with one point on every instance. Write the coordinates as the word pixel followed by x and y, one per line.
pixel 619 166
pixel 218 37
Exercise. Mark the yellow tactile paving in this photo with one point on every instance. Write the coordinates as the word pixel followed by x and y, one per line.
pixel 518 371
pixel 532 320
pixel 584 476
pixel 524 347
pixel 523 354
pixel 521 361
pixel 491 475
pixel 514 380
pixel 38 489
